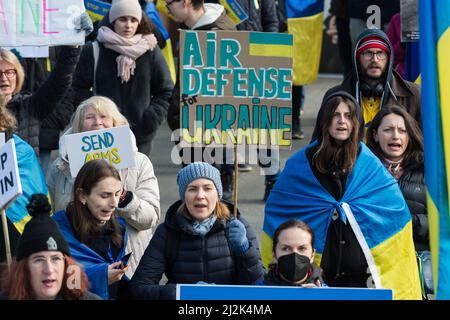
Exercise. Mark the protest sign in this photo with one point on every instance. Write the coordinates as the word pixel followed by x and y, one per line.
pixel 234 11
pixel 96 9
pixel 233 292
pixel 10 186
pixel 409 14
pixel 114 145
pixel 31 52
pixel 2 139
pixel 40 22
pixel 236 88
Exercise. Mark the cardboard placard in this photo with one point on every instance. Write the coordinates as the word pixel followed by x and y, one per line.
pixel 114 145
pixel 10 186
pixel 236 88
pixel 40 22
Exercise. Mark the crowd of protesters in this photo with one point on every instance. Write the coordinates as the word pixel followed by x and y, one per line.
pixel 333 203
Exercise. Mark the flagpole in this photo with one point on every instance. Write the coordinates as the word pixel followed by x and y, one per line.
pixel 236 171
pixel 6 236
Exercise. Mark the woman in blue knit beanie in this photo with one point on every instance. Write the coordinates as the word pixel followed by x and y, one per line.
pixel 199 241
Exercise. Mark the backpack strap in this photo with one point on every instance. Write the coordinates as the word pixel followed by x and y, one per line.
pixel 96 53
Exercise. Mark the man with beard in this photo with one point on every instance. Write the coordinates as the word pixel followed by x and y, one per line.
pixel 374 83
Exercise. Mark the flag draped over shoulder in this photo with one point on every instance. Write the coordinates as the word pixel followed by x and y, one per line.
pixel 305 22
pixel 32 180
pixel 373 205
pixel 435 65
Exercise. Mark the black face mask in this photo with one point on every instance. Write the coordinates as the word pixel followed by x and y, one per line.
pixel 293 267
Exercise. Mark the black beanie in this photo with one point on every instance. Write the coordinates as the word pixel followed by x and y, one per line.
pixel 41 233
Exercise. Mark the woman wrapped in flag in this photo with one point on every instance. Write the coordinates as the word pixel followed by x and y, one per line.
pixel 354 206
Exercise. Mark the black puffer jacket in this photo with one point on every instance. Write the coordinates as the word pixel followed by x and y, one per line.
pixel 143 100
pixel 412 184
pixel 207 259
pixel 31 109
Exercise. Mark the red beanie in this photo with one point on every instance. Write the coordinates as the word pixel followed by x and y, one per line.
pixel 372 42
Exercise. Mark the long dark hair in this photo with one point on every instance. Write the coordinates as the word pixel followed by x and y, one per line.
pixel 413 155
pixel 332 155
pixel 83 222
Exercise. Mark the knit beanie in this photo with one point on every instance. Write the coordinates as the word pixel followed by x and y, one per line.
pixel 122 8
pixel 41 233
pixel 372 42
pixel 198 170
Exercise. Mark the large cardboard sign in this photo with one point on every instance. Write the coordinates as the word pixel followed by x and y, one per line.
pixel 114 145
pixel 40 22
pixel 232 292
pixel 236 88
pixel 10 186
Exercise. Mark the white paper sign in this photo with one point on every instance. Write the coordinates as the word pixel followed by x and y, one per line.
pixel 31 52
pixel 10 186
pixel 114 145
pixel 2 139
pixel 40 22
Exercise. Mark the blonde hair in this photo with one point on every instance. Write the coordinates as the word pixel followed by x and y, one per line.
pixel 103 106
pixel 221 211
pixel 8 56
pixel 7 119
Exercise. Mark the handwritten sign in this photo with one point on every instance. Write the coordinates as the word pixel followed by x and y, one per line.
pixel 234 11
pixel 236 88
pixel 10 186
pixel 40 22
pixel 114 145
pixel 96 9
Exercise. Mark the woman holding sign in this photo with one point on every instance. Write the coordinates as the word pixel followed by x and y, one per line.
pixel 360 220
pixel 97 237
pixel 126 65
pixel 199 242
pixel 30 109
pixel 139 202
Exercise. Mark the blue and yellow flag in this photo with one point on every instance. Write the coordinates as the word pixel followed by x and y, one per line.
pixel 305 22
pixel 435 65
pixel 372 204
pixel 32 180
pixel 265 44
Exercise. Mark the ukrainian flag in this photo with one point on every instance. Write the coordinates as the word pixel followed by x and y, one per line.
pixel 32 180
pixel 435 65
pixel 96 9
pixel 270 44
pixel 372 204
pixel 305 22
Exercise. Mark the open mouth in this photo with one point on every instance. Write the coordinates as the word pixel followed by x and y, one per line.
pixel 200 206
pixel 49 283
pixel 341 129
pixel 394 145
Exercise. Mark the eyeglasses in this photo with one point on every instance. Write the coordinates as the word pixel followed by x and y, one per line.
pixel 10 73
pixel 42 261
pixel 368 55
pixel 168 3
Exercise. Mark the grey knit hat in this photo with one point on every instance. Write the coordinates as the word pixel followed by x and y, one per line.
pixel 198 170
pixel 122 8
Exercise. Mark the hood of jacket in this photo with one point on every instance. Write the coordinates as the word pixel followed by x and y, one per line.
pixel 387 78
pixel 179 222
pixel 215 17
